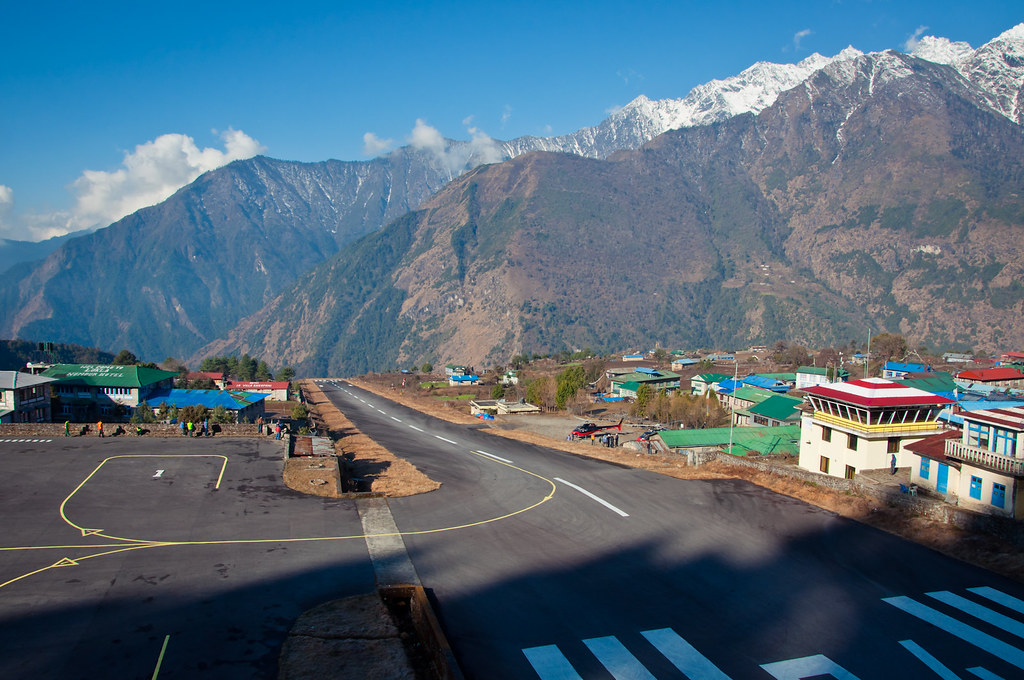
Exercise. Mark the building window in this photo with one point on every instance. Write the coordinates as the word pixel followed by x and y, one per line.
pixel 893 445
pixel 999 495
pixel 925 468
pixel 824 465
pixel 976 487
pixel 850 471
pixel 851 442
pixel 1005 442
pixel 826 434
pixel 977 434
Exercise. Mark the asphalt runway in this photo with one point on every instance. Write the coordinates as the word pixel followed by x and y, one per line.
pixel 171 558
pixel 562 567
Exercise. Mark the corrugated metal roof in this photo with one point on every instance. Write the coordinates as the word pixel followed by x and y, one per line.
pixel 102 375
pixel 875 392
pixel 10 380
pixel 778 407
pixel 211 399
pixel 764 440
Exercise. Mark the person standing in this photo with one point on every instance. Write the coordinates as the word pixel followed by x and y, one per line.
pixel 99 428
pixel 190 426
pixel 206 427
pixel 67 428
pixel 184 433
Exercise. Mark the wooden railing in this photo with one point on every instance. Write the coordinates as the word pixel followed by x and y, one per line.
pixel 985 458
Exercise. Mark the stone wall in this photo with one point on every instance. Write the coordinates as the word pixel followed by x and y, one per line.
pixel 25 430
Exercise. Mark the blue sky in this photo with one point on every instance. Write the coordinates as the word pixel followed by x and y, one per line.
pixel 104 106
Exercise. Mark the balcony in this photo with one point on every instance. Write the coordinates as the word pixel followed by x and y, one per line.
pixel 989 460
pixel 879 430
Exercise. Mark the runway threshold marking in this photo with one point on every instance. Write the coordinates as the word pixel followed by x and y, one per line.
pixel 600 500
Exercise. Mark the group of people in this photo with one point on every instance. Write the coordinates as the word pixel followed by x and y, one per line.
pixel 190 429
pixel 279 428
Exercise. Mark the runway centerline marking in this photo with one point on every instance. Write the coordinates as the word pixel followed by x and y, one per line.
pixel 600 500
pixel 491 455
pixel 445 440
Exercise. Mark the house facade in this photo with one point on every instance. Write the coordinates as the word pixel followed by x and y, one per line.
pixel 982 466
pixel 86 392
pixel 276 390
pixel 809 376
pixel 1001 376
pixel 24 398
pixel 703 383
pixel 865 425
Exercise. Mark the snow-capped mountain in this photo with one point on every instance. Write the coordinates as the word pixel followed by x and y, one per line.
pixel 997 69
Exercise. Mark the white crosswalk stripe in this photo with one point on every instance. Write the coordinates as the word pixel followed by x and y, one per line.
pixel 550 663
pixel 25 441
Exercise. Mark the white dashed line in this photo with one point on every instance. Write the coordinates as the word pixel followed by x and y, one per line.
pixel 445 440
pixel 592 496
pixel 491 455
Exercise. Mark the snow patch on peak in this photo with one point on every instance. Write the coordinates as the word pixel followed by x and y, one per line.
pixel 1014 34
pixel 941 50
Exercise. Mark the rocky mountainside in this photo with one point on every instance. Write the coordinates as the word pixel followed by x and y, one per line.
pixel 171 278
pixel 881 194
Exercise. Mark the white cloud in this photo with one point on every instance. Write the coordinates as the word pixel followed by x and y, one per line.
pixel 6 207
pixel 799 36
pixel 426 138
pixel 374 145
pixel 456 157
pixel 914 38
pixel 150 174
pixel 506 115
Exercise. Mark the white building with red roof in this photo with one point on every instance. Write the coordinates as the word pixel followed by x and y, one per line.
pixel 276 390
pixel 863 424
pixel 1000 376
pixel 982 467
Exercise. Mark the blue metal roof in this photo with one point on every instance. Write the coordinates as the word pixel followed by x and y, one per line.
pixel 211 399
pixel 906 368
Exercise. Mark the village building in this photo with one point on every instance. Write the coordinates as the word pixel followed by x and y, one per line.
pixel 246 407
pixel 980 467
pixel 894 370
pixel 865 425
pixel 809 376
pixel 627 384
pixel 276 390
pixel 88 392
pixel 1000 376
pixel 24 398
pixel 703 383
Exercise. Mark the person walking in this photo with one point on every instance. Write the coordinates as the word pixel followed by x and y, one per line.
pixel 99 428
pixel 67 428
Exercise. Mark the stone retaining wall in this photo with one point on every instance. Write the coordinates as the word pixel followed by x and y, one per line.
pixel 1005 528
pixel 11 430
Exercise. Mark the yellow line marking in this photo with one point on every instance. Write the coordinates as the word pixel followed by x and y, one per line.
pixel 160 659
pixel 99 532
pixel 137 544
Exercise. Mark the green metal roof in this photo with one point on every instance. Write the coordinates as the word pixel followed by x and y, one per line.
pixel 630 386
pixel 763 440
pixel 646 377
pixel 754 394
pixel 710 377
pixel 936 383
pixel 778 407
pixel 783 377
pixel 102 375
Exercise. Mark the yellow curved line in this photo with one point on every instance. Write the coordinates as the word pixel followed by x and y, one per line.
pixel 94 532
pixel 138 544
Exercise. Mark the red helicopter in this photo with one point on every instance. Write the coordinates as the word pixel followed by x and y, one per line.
pixel 587 429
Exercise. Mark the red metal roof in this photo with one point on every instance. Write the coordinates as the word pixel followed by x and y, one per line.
pixel 876 393
pixel 1012 418
pixel 991 374
pixel 934 447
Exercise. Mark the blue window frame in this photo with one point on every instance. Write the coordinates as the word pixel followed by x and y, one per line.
pixel 976 487
pixel 925 468
pixel 1005 442
pixel 977 434
pixel 999 495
